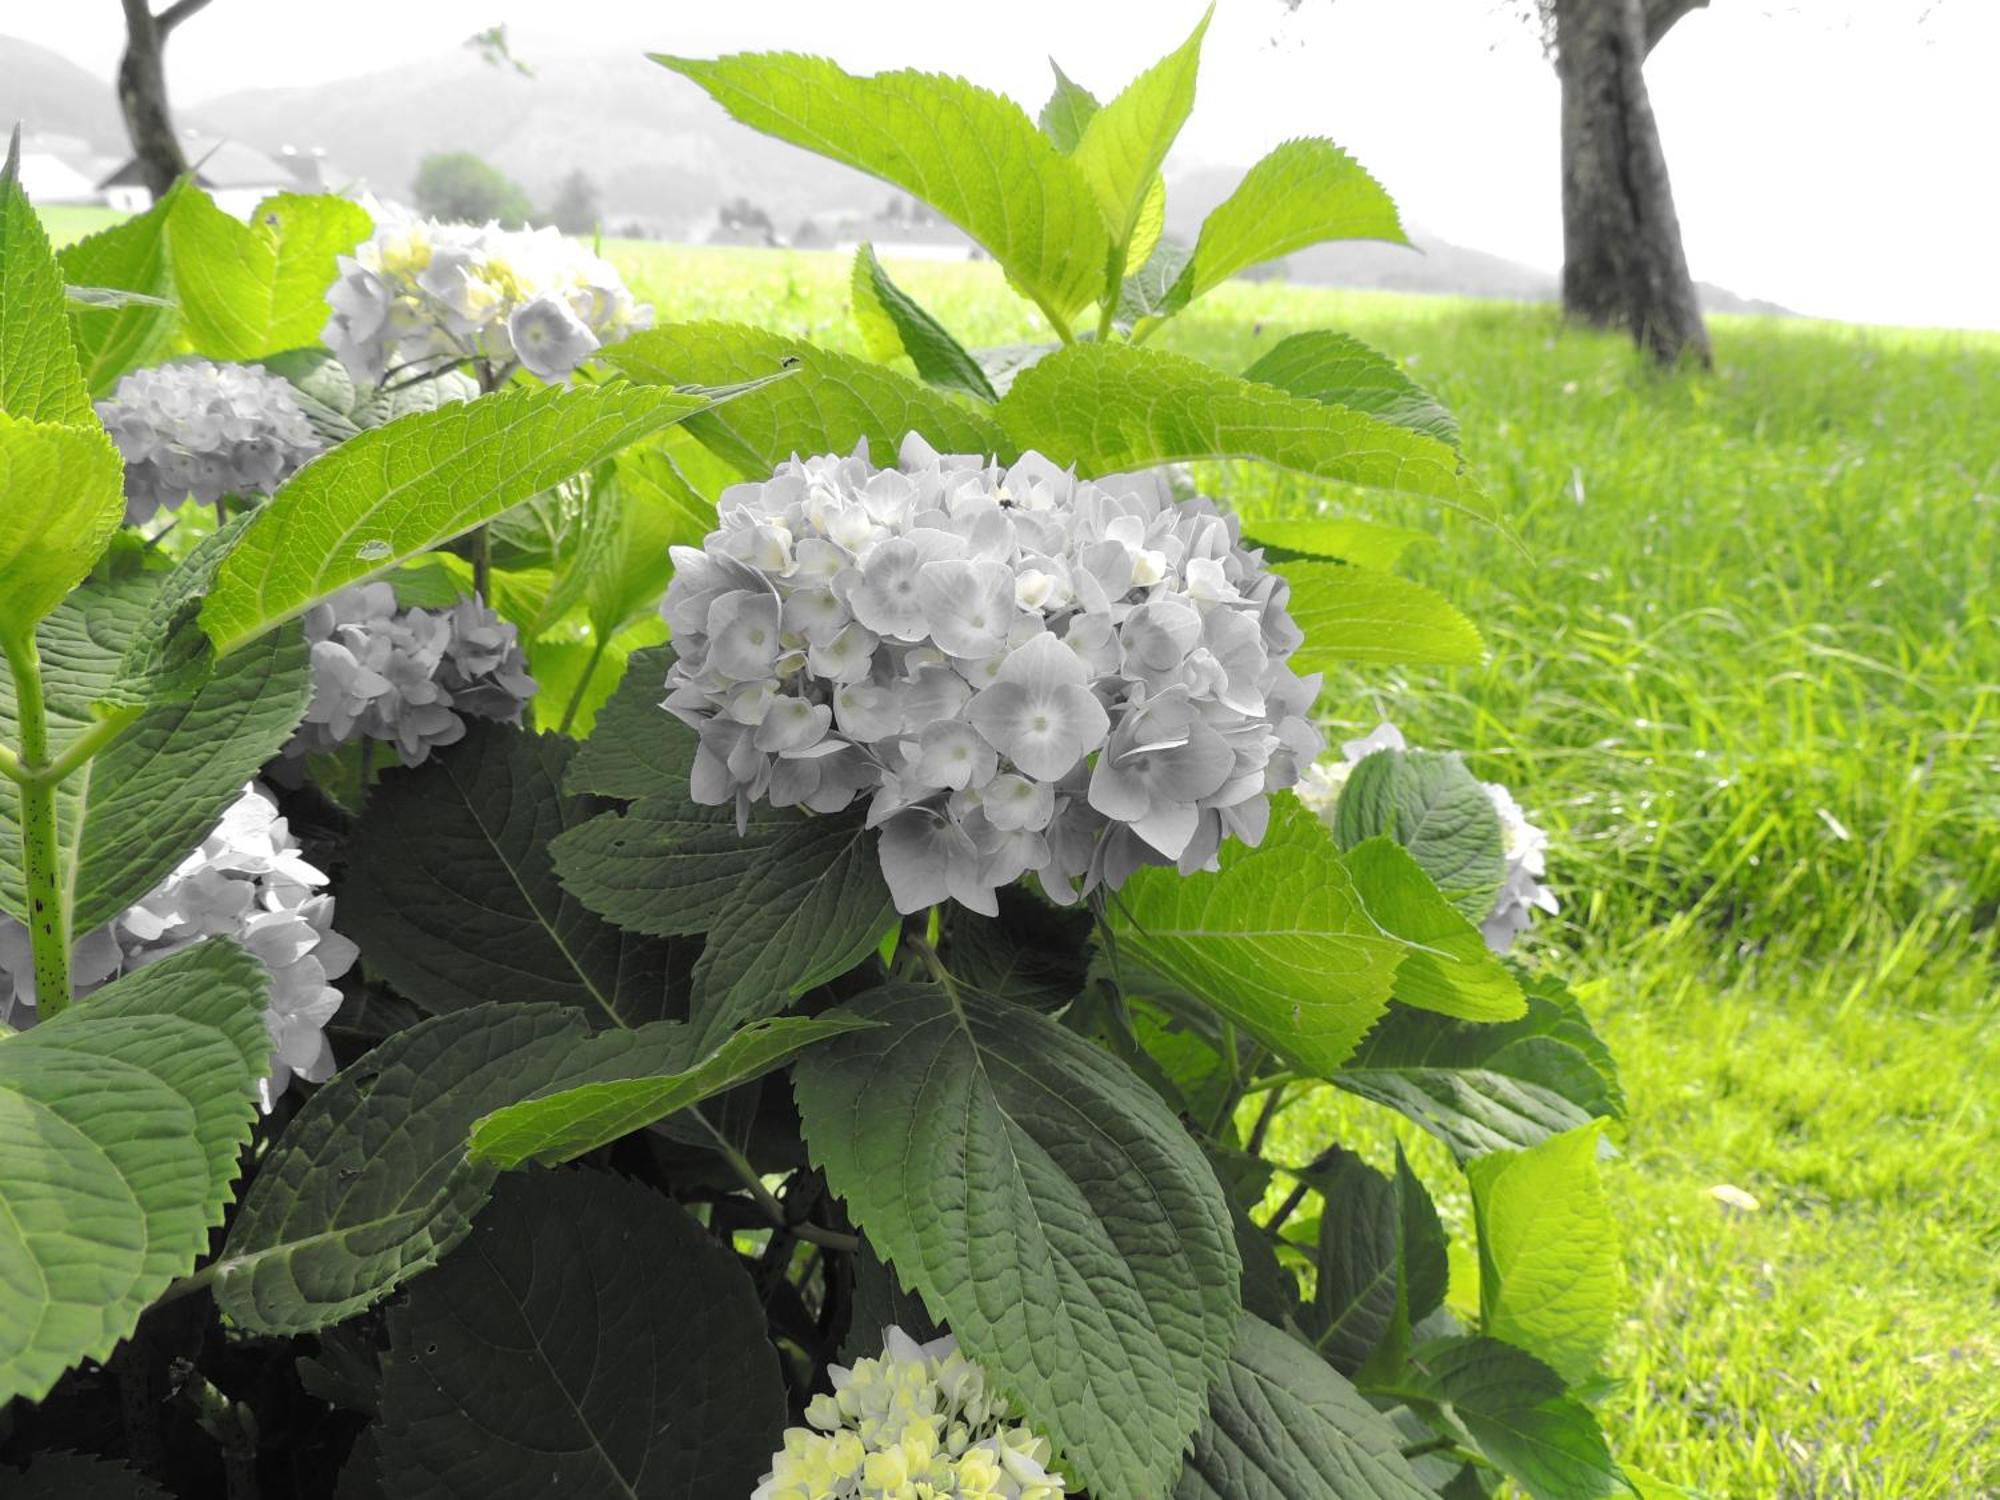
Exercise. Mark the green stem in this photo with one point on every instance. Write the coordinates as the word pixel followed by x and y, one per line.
pixel 10 764
pixel 482 566
pixel 767 1201
pixel 48 909
pixel 582 684
pixel 89 744
pixel 1056 321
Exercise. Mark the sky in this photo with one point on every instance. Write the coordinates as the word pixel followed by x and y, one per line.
pixel 1835 156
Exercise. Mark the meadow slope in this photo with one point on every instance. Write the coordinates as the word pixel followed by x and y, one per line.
pixel 1745 667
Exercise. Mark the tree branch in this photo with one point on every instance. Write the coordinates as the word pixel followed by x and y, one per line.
pixel 1660 17
pixel 180 10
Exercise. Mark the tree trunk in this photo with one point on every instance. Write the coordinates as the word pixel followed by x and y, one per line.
pixel 142 91
pixel 1623 266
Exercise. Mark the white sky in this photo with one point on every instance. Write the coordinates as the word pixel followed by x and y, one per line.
pixel 1837 156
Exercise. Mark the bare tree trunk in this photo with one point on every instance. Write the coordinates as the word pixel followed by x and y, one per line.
pixel 142 91
pixel 1623 266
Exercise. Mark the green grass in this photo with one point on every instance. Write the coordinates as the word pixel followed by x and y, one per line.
pixel 1745 666
pixel 67 222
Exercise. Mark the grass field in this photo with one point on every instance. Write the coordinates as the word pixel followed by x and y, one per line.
pixel 1745 666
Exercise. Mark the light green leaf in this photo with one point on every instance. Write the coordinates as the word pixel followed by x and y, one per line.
pixel 137 809
pixel 1147 228
pixel 1512 1408
pixel 793 902
pixel 248 290
pixel 1304 192
pixel 62 488
pixel 1042 1200
pixel 337 408
pixel 1282 1425
pixel 589 1339
pixel 969 153
pixel 1110 407
pixel 398 490
pixel 557 1127
pixel 1342 371
pixel 131 256
pixel 826 404
pixel 1429 803
pixel 1448 968
pixel 1489 1088
pixel 1124 144
pixel 654 508
pixel 452 896
pixel 1364 544
pixel 1360 615
pixel 894 324
pixel 1381 1262
pixel 40 381
pixel 1549 1271
pixel 1068 111
pixel 124 1118
pixel 1278 941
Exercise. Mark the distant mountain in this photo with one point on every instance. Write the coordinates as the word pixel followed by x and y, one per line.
pixel 47 93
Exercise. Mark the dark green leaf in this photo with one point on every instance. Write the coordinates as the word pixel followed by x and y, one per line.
pixel 453 898
pixel 1282 1425
pixel 1429 803
pixel 637 749
pixel 588 1339
pixel 77 1476
pixel 1043 1201
pixel 1033 953
pixel 1381 1262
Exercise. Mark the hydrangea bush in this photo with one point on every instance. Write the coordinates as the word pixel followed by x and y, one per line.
pixel 800 1013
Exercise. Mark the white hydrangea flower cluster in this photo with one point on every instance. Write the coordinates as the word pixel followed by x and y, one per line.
pixel 420 291
pixel 1524 845
pixel 194 427
pixel 407 676
pixel 248 882
pixel 919 1423
pixel 1021 670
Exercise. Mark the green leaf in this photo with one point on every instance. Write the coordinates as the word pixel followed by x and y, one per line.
pixel 894 324
pixel 1124 144
pixel 136 810
pixel 827 403
pixel 63 489
pixel 40 381
pixel 1110 407
pixel 452 895
pixel 1033 953
pixel 77 1476
pixel 1381 1262
pixel 131 256
pixel 1042 1200
pixel 169 657
pixel 1489 1088
pixel 589 1339
pixel 1282 1425
pixel 969 153
pixel 333 1221
pixel 1512 1407
pixel 1365 544
pixel 1429 803
pixel 1304 192
pixel 637 748
pixel 792 902
pixel 560 1126
pixel 248 290
pixel 1449 968
pixel 1549 1270
pixel 398 490
pixel 124 1118
pixel 1340 370
pixel 1278 941
pixel 1360 615
pixel 1068 111
pixel 653 509
pixel 337 408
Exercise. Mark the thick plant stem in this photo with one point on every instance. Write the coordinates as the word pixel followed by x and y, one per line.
pixel 48 904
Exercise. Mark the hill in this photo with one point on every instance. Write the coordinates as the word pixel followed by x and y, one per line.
pixel 48 94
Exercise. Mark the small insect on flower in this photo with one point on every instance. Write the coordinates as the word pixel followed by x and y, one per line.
pixel 919 1420
pixel 198 429
pixel 1022 672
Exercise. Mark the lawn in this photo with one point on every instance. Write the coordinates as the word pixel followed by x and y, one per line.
pixel 1745 667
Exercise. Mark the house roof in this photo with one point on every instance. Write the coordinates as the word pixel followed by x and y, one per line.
pixel 217 163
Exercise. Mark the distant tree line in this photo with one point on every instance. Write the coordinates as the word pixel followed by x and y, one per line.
pixel 458 185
